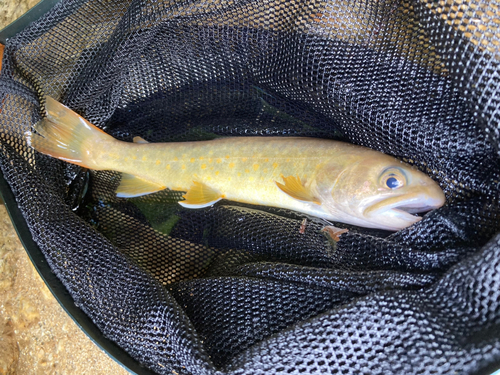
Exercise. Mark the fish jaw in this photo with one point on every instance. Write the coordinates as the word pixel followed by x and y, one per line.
pixel 395 213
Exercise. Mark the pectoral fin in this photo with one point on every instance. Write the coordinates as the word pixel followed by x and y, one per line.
pixel 294 188
pixel 133 186
pixel 200 195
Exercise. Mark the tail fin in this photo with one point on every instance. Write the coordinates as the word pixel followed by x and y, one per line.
pixel 65 135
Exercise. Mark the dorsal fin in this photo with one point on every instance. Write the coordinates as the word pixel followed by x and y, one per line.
pixel 139 140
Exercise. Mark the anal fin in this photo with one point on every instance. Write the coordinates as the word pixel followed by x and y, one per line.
pixel 200 195
pixel 294 188
pixel 133 186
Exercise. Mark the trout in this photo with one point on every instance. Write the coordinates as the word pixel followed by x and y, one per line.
pixel 328 179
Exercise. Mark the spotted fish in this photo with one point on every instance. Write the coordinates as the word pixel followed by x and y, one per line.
pixel 327 179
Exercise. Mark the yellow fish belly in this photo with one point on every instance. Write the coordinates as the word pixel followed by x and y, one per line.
pixel 240 169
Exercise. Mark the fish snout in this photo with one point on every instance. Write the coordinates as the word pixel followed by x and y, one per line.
pixel 398 212
pixel 426 196
pixel 433 197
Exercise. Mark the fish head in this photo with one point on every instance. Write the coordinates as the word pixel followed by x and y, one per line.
pixel 379 191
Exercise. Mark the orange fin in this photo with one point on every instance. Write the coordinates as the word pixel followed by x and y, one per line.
pixel 133 186
pixel 200 195
pixel 294 188
pixel 65 135
pixel 139 140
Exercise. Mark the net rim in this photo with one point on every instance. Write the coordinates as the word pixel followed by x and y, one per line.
pixel 60 292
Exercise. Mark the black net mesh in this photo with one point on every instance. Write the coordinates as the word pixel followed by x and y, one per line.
pixel 239 289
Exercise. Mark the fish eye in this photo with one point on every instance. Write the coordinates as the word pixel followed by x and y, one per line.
pixel 393 178
pixel 392 183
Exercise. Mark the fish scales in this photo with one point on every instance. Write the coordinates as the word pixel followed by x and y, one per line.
pixel 241 169
pixel 324 178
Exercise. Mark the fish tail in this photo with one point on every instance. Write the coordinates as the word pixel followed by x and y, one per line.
pixel 65 135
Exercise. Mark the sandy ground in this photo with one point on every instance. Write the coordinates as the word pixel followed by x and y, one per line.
pixel 10 10
pixel 37 336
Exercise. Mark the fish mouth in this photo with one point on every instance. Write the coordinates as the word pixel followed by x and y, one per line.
pixel 416 209
pixel 399 212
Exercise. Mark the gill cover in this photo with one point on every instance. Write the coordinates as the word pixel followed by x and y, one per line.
pixel 378 191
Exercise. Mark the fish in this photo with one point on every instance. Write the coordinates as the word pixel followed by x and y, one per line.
pixel 323 178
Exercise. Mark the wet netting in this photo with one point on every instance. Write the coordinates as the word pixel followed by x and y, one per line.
pixel 239 289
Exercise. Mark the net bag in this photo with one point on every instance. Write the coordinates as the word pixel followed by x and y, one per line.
pixel 239 289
